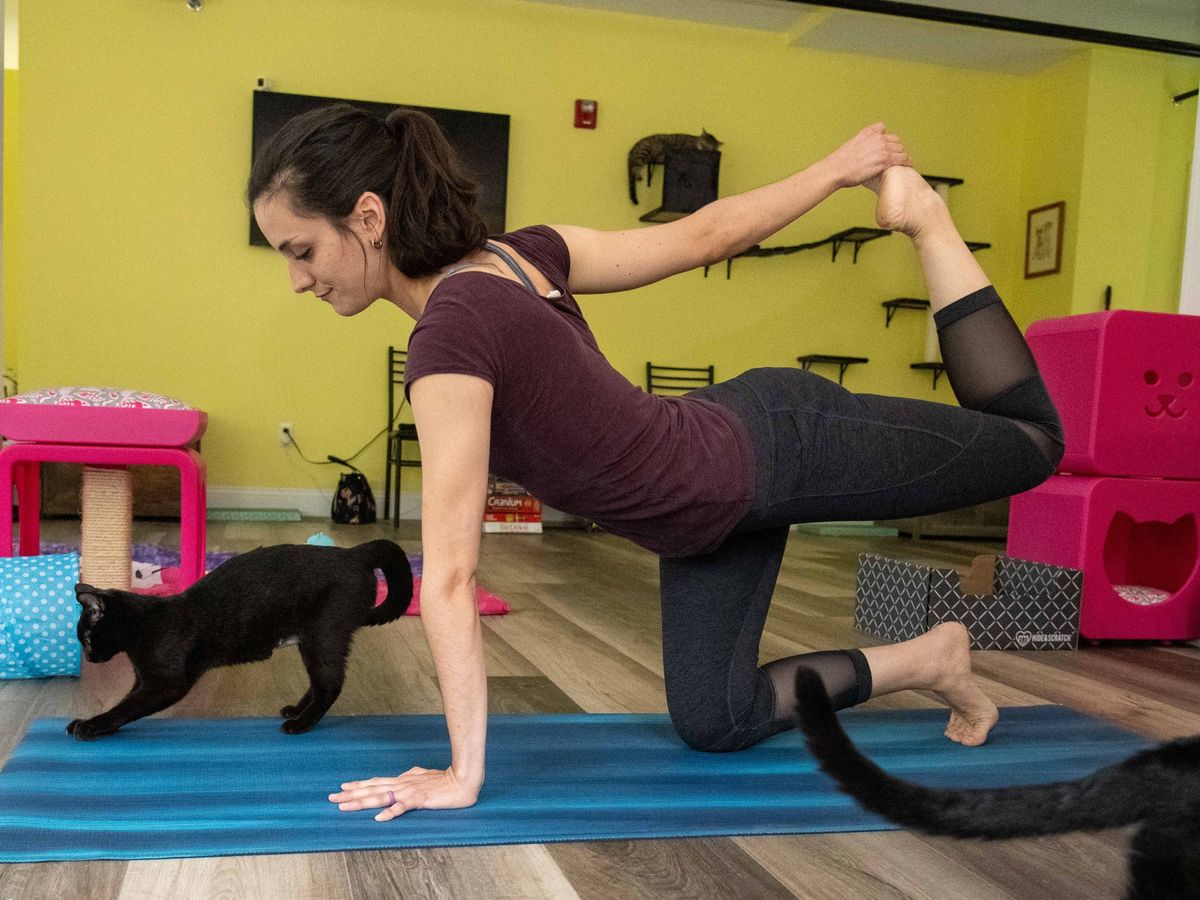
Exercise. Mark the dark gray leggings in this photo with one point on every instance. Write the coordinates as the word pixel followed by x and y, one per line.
pixel 822 454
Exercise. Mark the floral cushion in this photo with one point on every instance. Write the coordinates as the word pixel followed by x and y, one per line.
pixel 100 416
pixel 97 396
pixel 1142 596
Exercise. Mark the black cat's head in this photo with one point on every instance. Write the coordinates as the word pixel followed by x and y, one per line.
pixel 708 141
pixel 103 627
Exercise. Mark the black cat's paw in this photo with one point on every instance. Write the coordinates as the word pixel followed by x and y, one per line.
pixel 83 730
pixel 290 712
pixel 291 726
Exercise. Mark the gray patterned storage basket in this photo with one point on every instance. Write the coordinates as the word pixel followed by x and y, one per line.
pixel 1033 606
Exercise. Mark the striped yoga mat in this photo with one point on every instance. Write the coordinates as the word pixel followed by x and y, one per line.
pixel 194 787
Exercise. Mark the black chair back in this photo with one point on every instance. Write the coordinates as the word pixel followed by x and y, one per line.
pixel 398 433
pixel 396 362
pixel 676 380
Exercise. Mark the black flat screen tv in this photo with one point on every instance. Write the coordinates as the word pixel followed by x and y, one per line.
pixel 481 140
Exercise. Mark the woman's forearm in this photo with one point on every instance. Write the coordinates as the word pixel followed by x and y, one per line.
pixel 737 223
pixel 455 639
pixel 743 220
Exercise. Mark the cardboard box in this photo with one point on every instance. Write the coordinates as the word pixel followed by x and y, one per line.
pixel 1005 603
pixel 510 509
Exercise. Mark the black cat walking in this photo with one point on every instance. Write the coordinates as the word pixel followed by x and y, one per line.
pixel 243 611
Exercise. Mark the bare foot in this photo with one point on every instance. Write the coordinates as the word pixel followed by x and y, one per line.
pixel 906 201
pixel 972 714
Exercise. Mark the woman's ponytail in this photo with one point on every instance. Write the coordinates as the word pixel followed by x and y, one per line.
pixel 432 216
pixel 325 159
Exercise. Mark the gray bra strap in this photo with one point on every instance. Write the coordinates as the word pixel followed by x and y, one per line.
pixel 512 264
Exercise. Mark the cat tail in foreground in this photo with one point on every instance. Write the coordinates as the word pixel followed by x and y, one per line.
pixel 1087 803
pixel 392 560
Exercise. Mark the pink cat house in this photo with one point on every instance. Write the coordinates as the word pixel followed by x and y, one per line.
pixel 1125 506
pixel 1135 540
pixel 1126 387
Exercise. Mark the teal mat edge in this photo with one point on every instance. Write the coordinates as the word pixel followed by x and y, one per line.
pixel 847 715
pixel 388 842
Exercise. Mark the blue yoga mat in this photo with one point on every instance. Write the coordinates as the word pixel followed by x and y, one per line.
pixel 194 787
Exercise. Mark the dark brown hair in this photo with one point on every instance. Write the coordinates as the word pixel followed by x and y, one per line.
pixel 325 159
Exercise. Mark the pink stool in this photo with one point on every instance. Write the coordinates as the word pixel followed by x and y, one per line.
pixel 62 425
pixel 1135 539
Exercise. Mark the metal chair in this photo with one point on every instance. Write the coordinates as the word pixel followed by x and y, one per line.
pixel 399 433
pixel 676 380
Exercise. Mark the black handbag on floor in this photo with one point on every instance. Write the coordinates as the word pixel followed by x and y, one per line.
pixel 353 502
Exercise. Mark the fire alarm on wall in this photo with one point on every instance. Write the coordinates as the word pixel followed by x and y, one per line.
pixel 585 113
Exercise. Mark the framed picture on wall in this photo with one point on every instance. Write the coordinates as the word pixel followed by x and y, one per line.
pixel 1043 240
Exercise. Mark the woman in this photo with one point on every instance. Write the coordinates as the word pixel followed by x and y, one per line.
pixel 504 375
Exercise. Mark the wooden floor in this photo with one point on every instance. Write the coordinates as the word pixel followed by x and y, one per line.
pixel 585 636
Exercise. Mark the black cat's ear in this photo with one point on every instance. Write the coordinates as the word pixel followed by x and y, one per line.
pixel 89 597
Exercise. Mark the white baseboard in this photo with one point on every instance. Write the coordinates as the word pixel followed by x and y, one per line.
pixel 315 503
pixel 310 502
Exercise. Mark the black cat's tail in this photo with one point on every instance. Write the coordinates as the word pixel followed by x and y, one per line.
pixel 392 560
pixel 1118 795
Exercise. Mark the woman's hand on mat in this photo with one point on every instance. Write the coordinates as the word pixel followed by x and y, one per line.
pixel 867 154
pixel 415 789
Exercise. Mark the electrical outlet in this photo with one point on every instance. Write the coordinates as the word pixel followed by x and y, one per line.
pixel 285 434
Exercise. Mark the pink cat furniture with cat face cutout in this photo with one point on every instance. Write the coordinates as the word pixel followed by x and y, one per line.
pixel 1125 384
pixel 1135 539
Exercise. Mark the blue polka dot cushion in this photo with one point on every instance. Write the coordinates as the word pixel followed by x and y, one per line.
pixel 38 615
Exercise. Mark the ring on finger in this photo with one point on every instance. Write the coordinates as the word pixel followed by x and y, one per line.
pixel 391 798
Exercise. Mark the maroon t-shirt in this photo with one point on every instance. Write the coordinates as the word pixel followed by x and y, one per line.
pixel 672 474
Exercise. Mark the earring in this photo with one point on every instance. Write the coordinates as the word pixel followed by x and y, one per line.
pixel 376 243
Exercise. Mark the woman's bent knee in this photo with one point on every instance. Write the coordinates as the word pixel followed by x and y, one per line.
pixel 709 736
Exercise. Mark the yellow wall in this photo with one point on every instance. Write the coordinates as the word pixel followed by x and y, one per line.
pixel 12 230
pixel 1051 151
pixel 1134 187
pixel 1176 135
pixel 1102 134
pixel 134 148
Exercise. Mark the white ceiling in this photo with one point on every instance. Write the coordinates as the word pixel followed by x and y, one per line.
pixel 823 28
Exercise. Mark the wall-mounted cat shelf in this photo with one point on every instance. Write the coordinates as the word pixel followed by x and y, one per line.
pixel 855 236
pixel 660 215
pixel 936 368
pixel 842 362
pixel 902 303
pixel 689 182
pixel 935 180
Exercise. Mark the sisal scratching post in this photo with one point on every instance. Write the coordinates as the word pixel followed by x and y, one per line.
pixel 104 563
pixel 107 517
